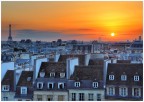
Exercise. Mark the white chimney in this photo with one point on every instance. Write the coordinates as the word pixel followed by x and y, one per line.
pixel 70 66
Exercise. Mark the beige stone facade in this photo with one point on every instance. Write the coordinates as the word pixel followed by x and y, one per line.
pixel 50 96
pixel 7 96
pixel 88 95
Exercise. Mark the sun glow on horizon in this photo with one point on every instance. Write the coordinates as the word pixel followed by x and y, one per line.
pixel 112 34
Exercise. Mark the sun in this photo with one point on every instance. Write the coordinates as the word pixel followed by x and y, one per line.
pixel 112 34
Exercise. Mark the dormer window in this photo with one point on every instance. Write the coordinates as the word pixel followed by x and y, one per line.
pixel 23 90
pixel 42 74
pixel 52 74
pixel 95 84
pixel 61 85
pixel 50 85
pixel 111 77
pixel 39 85
pixel 62 75
pixel 123 77
pixel 5 87
pixel 77 84
pixel 136 78
pixel 28 78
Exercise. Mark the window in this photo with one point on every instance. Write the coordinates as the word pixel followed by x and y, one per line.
pixel 61 85
pixel 136 78
pixel 77 84
pixel 111 91
pixel 5 98
pixel 123 77
pixel 23 90
pixel 123 91
pixel 136 92
pixel 49 97
pixel 5 88
pixel 111 77
pixel 98 97
pixel 60 98
pixel 90 96
pixel 73 96
pixel 50 85
pixel 29 78
pixel 42 74
pixel 81 96
pixel 62 75
pixel 39 85
pixel 39 97
pixel 19 99
pixel 95 84
pixel 52 74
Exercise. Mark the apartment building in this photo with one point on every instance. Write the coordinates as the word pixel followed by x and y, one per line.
pixel 124 81
pixel 86 84
pixel 51 84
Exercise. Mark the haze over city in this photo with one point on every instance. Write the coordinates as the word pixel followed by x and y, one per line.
pixel 85 20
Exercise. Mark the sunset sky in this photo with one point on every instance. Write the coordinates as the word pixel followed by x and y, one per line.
pixel 79 20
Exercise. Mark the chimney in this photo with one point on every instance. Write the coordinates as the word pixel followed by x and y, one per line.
pixel 14 80
pixel 139 38
pixel 10 30
pixel 70 66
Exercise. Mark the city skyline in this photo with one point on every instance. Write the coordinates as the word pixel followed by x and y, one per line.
pixel 67 20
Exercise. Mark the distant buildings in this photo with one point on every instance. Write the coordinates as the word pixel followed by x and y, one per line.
pixel 82 48
pixel 137 46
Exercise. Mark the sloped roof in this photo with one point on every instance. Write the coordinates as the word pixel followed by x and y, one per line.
pixel 81 58
pixel 123 61
pixel 55 67
pixel 93 72
pixel 96 61
pixel 84 84
pixel 23 81
pixel 9 79
pixel 19 61
pixel 118 69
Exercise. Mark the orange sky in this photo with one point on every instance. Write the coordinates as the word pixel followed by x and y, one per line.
pixel 69 20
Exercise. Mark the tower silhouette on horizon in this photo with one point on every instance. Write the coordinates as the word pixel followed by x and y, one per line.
pixel 9 37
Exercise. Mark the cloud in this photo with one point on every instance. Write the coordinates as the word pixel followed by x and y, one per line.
pixel 43 35
pixel 28 33
pixel 83 29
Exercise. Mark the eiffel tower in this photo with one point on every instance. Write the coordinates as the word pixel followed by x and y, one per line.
pixel 10 37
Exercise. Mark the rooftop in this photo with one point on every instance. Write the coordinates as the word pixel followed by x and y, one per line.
pixel 9 79
pixel 118 69
pixel 26 79
pixel 93 72
pixel 81 58
pixel 55 67
pixel 123 61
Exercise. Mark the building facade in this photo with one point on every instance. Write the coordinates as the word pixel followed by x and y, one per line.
pixel 124 82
